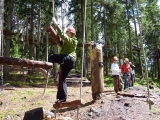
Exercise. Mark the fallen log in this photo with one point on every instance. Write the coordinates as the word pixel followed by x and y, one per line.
pixel 26 62
pixel 132 95
pixel 52 33
pixel 70 104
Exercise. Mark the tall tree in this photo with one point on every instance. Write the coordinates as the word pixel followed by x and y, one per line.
pixel 1 26
pixel 8 37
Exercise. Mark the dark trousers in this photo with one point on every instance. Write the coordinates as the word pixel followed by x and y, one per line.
pixel 66 64
pixel 115 81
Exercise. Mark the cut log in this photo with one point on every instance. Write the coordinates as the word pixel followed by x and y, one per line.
pixel 70 104
pixel 26 62
pixel 52 33
pixel 97 77
pixel 132 95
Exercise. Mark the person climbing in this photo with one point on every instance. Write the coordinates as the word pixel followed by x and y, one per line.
pixel 125 70
pixel 116 74
pixel 132 74
pixel 66 59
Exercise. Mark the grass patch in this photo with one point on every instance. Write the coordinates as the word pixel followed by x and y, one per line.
pixel 108 81
pixel 155 109
pixel 23 80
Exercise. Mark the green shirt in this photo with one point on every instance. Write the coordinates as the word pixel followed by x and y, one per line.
pixel 69 45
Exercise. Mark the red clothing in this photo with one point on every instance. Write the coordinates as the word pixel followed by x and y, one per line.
pixel 125 68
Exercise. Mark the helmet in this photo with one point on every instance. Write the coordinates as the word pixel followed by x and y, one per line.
pixel 71 29
pixel 126 60
pixel 115 58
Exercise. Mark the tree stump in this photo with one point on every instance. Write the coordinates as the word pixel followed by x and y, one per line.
pixel 97 76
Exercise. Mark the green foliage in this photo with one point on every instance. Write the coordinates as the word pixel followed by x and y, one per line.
pixel 108 81
pixel 109 22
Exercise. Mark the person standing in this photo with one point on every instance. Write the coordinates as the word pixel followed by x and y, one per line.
pixel 132 73
pixel 66 59
pixel 125 70
pixel 115 73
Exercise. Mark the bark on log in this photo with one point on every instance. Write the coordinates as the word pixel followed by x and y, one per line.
pixel 97 77
pixel 70 104
pixel 52 33
pixel 132 95
pixel 26 62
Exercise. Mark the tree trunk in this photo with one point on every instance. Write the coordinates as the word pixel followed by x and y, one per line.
pixel 55 70
pixel 106 49
pixel 137 40
pixel 97 77
pixel 1 26
pixel 8 37
pixel 129 33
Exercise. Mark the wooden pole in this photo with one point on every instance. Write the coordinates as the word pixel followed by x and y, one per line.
pixel 97 77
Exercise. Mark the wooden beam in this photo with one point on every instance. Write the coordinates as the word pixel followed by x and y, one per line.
pixel 7 32
pixel 52 33
pixel 85 45
pixel 70 104
pixel 26 62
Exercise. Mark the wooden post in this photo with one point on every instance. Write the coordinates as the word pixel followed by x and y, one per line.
pixel 97 78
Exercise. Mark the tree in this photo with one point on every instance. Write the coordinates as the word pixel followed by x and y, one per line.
pixel 8 37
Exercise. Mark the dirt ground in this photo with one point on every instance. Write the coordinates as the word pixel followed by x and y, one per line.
pixel 128 105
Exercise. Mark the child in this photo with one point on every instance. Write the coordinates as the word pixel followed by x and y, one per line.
pixel 125 70
pixel 66 59
pixel 115 74
pixel 132 73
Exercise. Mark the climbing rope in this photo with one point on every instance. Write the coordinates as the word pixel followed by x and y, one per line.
pixel 146 71
pixel 46 84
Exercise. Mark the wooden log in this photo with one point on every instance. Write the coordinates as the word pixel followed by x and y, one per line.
pixel 52 33
pixel 25 62
pixel 85 45
pixel 7 32
pixel 70 104
pixel 132 95
pixel 97 77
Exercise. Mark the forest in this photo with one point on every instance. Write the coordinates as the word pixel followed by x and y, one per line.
pixel 124 28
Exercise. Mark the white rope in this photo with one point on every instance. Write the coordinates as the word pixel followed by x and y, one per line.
pixel 145 62
pixel 46 84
